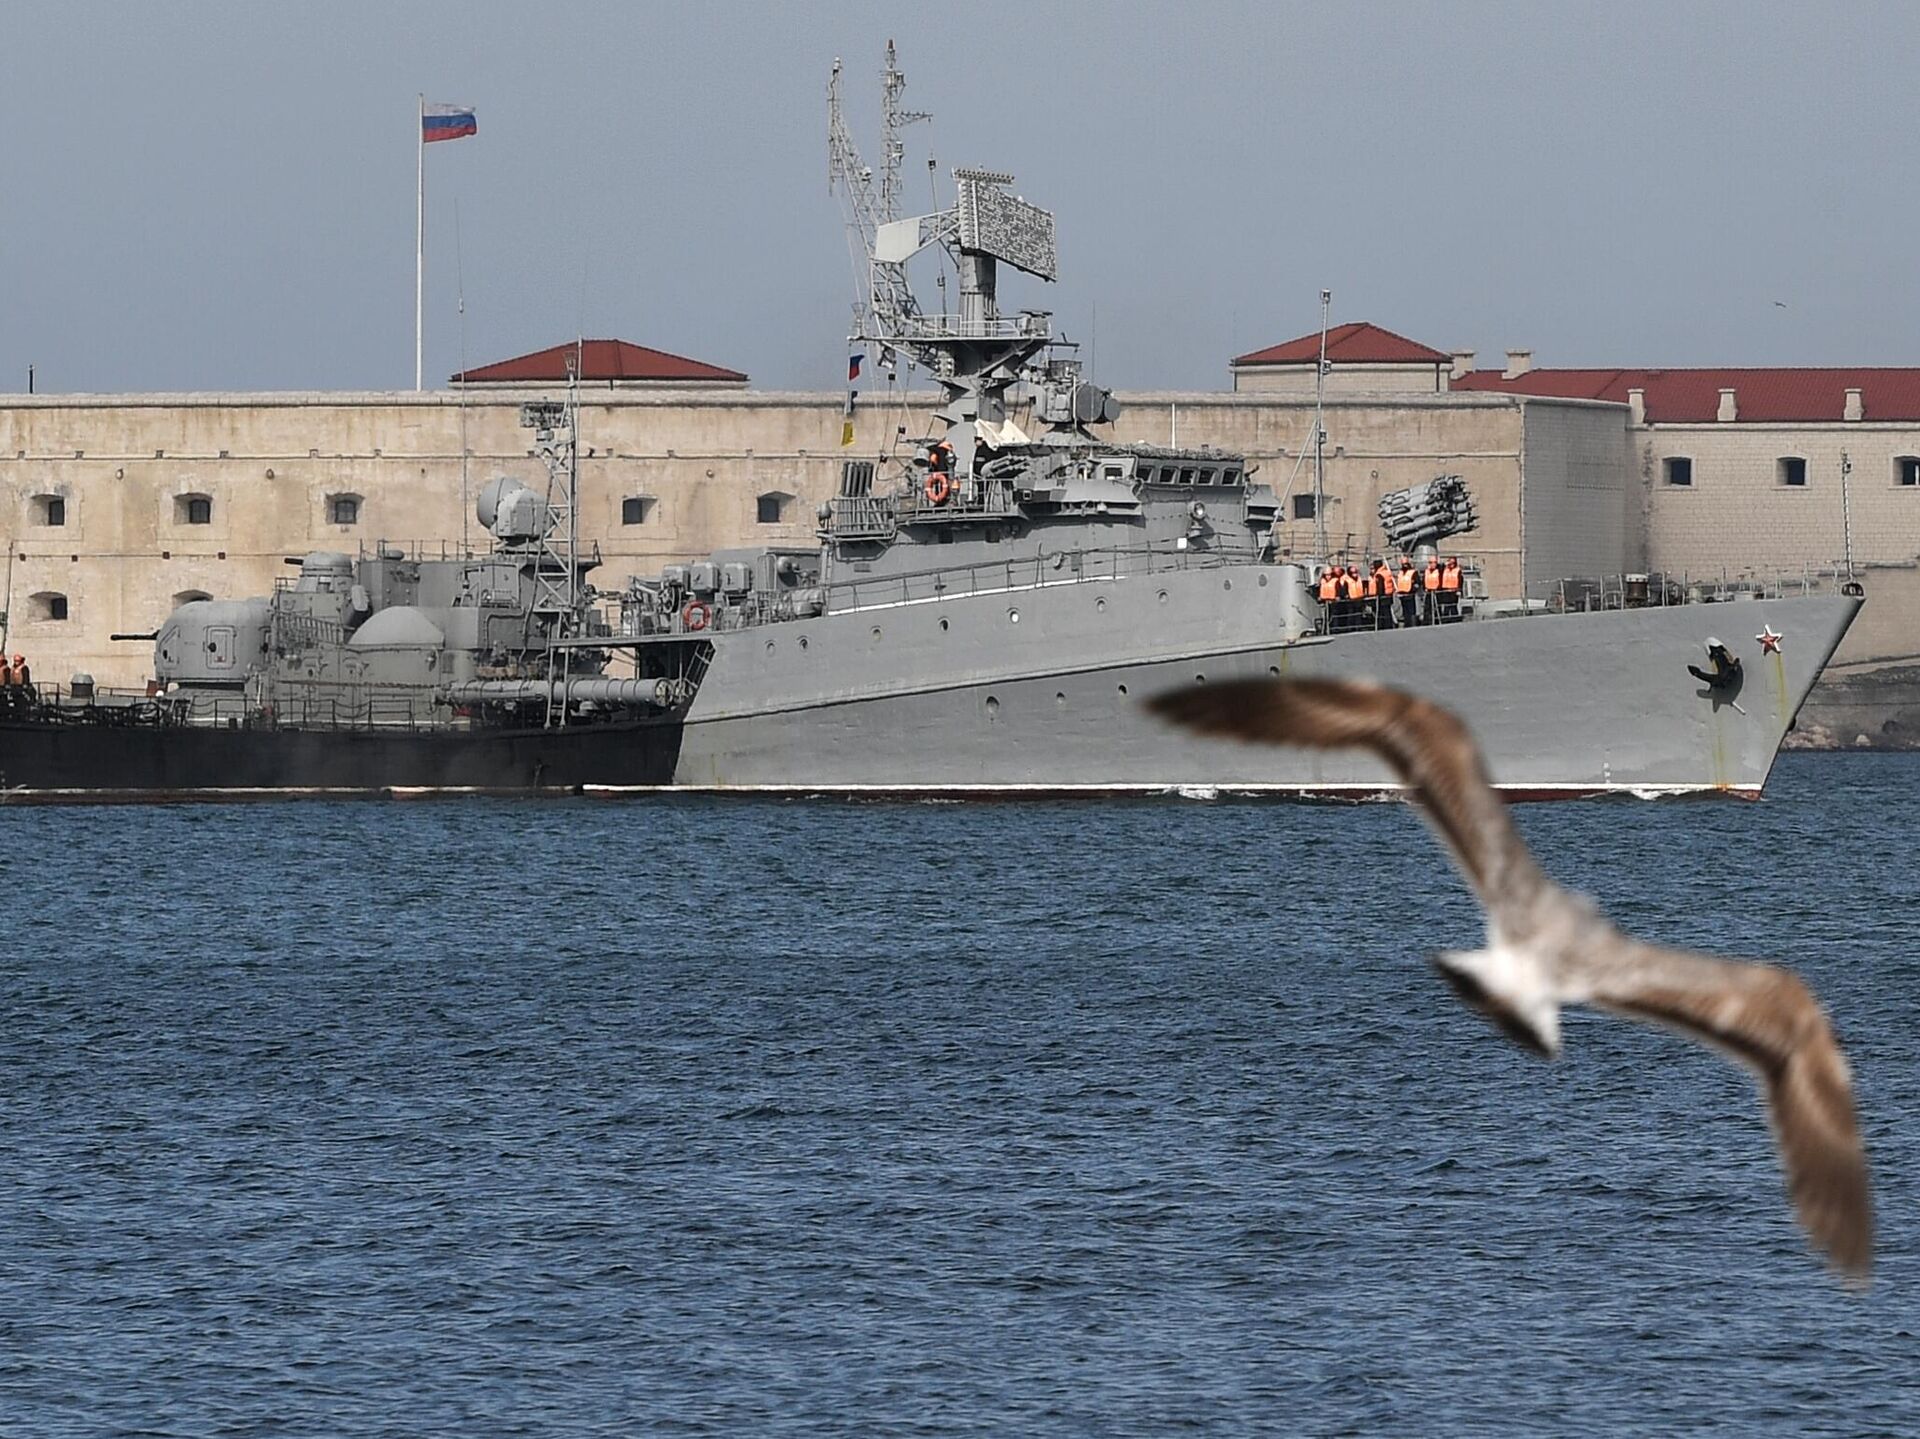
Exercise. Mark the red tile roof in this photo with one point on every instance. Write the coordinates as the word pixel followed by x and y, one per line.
pixel 1761 396
pixel 600 360
pixel 1357 344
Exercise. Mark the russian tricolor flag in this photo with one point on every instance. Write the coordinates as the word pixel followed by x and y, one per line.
pixel 447 122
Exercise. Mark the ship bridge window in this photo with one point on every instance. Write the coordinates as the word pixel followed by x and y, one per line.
pixel 343 509
pixel 1229 477
pixel 1906 471
pixel 1303 507
pixel 193 509
pixel 771 508
pixel 1113 472
pixel 636 509
pixel 1678 470
pixel 49 510
pixel 1186 475
pixel 47 605
pixel 1791 471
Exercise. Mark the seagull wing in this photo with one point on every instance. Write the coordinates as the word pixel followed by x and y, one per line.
pixel 1426 746
pixel 1767 1019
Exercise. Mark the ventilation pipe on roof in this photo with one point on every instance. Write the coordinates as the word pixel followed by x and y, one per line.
pixel 1729 411
pixel 1518 363
pixel 1855 410
pixel 1637 406
pixel 1462 364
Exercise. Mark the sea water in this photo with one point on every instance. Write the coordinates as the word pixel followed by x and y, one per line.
pixel 814 1118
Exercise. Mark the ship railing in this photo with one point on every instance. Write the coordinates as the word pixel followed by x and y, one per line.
pixel 970 498
pixel 1657 588
pixel 860 517
pixel 1029 325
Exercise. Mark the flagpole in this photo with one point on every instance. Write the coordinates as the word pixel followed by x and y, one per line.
pixel 419 242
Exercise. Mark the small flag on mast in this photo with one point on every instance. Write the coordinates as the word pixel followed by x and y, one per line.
pixel 853 366
pixel 846 421
pixel 447 122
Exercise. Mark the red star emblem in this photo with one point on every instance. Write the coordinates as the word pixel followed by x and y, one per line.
pixel 1769 641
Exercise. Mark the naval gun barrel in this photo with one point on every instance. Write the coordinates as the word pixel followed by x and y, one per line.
pixel 598 690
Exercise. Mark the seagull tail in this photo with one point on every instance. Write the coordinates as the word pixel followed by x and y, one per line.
pixel 1508 991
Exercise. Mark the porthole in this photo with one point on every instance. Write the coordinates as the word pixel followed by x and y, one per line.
pixel 993 708
pixel 1163 597
pixel 943 627
pixel 1101 604
pixel 1060 698
pixel 1263 582
pixel 876 632
pixel 1123 691
pixel 1227 585
pixel 1274 670
pixel 769 646
pixel 803 642
pixel 1013 617
pixel 1199 679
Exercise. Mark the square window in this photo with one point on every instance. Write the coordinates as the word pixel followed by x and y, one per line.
pixel 57 607
pixel 198 510
pixel 1907 470
pixel 56 510
pixel 633 510
pixel 1303 507
pixel 1679 471
pixel 768 508
pixel 344 509
pixel 1793 471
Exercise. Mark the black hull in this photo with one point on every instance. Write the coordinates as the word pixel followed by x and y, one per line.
pixel 75 762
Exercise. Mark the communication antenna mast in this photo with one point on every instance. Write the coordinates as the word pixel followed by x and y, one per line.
pixel 892 120
pixel 888 302
pixel 1320 434
pixel 557 600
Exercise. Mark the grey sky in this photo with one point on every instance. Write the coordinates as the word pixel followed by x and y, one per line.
pixel 221 196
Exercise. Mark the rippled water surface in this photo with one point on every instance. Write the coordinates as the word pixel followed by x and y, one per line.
pixel 701 1117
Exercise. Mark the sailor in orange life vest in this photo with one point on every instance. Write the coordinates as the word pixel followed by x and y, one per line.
pixel 6 672
pixel 1450 590
pixel 1382 582
pixel 1403 587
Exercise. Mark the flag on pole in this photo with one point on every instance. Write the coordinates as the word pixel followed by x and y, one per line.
pixel 447 122
pixel 846 420
pixel 853 366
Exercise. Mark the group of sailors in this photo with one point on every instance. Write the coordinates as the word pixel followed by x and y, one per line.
pixel 1380 596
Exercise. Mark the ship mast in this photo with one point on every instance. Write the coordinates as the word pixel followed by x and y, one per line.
pixel 1320 434
pixel 975 353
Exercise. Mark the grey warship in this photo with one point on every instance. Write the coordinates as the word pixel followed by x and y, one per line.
pixel 391 672
pixel 987 608
pixel 986 611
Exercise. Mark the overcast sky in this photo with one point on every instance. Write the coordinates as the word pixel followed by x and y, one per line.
pixel 203 196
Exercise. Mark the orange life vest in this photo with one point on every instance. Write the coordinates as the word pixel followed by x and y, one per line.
pixel 1329 587
pixel 1450 578
pixel 1433 577
pixel 1403 582
pixel 1356 588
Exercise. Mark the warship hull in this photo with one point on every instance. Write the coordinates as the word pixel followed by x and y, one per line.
pixel 1040 691
pixel 51 763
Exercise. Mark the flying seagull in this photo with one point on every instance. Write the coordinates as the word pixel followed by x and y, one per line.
pixel 1547 947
